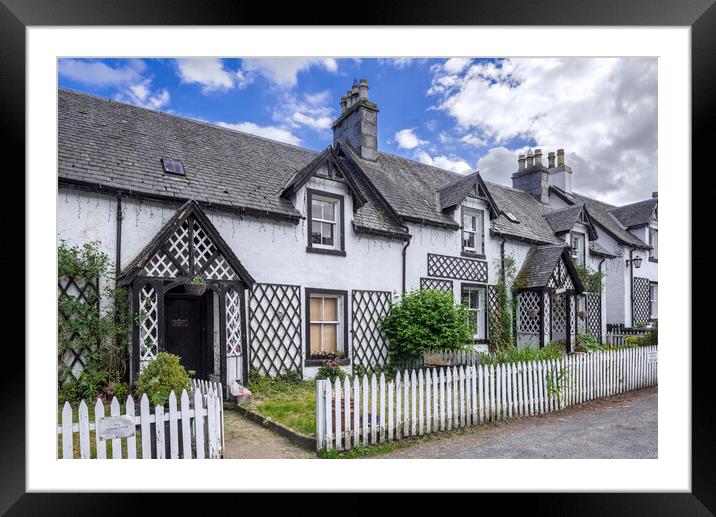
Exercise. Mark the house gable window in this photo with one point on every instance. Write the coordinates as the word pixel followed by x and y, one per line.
pixel 473 241
pixel 653 301
pixel 326 331
pixel 473 296
pixel 578 248
pixel 654 243
pixel 325 223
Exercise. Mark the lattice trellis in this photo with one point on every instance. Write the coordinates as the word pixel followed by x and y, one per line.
pixel 572 317
pixel 275 328
pixel 528 312
pixel 219 269
pixel 559 313
pixel 160 265
pixel 455 267
pixel 560 277
pixel 641 301
pixel 436 284
pixel 85 292
pixel 370 349
pixel 204 248
pixel 547 315
pixel 594 314
pixel 148 325
pixel 178 244
pixel 233 323
pixel 493 308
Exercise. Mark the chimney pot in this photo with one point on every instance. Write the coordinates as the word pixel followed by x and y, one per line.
pixel 560 156
pixel 529 159
pixel 343 104
pixel 550 159
pixel 538 156
pixel 363 89
pixel 521 162
pixel 654 195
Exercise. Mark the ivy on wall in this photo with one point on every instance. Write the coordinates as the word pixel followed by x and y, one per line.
pixel 501 331
pixel 95 326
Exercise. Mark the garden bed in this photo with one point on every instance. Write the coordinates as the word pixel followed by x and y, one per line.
pixel 291 403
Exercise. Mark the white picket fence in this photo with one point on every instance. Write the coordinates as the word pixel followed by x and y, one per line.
pixel 371 411
pixel 196 427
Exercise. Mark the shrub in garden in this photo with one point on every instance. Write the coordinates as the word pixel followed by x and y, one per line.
pixel 425 321
pixel 331 370
pixel 161 376
pixel 513 354
pixel 586 343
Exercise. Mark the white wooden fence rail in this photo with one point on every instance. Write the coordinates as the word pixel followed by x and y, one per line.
pixel 368 411
pixel 195 427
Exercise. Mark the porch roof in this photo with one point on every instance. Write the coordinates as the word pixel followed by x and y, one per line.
pixel 540 264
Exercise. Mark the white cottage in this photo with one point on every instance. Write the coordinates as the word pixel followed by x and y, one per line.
pixel 303 252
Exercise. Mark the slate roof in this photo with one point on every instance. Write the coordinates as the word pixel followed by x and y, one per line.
pixel 635 214
pixel 600 213
pixel 541 262
pixel 597 249
pixel 453 194
pixel 564 219
pixel 116 145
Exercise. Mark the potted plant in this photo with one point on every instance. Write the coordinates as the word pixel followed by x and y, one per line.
pixel 583 314
pixel 197 286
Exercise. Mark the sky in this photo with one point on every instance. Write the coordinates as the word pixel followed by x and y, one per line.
pixel 459 114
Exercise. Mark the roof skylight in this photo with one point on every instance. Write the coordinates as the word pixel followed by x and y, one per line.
pixel 173 166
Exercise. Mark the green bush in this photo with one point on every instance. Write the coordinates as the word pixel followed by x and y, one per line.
pixel 513 354
pixel 425 321
pixel 586 343
pixel 331 370
pixel 161 376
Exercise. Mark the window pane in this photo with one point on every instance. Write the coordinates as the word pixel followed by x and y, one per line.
pixel 315 338
pixel 316 209
pixel 330 309
pixel 327 230
pixel 468 240
pixel 315 309
pixel 329 334
pixel 329 211
pixel 315 232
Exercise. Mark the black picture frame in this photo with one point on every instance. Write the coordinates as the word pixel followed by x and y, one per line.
pixel 699 15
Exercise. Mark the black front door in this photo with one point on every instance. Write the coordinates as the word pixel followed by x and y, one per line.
pixel 185 333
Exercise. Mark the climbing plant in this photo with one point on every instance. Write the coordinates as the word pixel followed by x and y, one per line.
pixel 501 330
pixel 591 280
pixel 94 326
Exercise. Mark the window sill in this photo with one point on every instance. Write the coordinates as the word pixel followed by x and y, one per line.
pixel 472 255
pixel 324 251
pixel 652 259
pixel 319 362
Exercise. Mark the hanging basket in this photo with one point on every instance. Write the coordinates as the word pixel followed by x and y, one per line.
pixel 195 289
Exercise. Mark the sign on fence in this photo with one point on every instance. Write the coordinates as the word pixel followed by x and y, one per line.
pixel 190 426
pixel 362 411
pixel 652 357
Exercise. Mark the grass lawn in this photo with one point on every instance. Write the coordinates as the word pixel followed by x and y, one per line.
pixel 291 403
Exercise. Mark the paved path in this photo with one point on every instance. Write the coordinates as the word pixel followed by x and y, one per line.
pixel 246 439
pixel 623 426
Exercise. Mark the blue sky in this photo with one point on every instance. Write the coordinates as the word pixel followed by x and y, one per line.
pixel 458 114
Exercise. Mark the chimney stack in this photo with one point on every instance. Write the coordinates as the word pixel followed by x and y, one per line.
pixel 531 176
pixel 560 157
pixel 550 160
pixel 357 125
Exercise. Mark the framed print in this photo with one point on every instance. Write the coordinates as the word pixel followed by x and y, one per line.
pixel 422 235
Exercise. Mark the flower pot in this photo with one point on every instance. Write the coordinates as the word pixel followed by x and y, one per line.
pixel 195 289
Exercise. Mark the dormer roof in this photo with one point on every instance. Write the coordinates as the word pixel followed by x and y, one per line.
pixel 564 220
pixel 453 194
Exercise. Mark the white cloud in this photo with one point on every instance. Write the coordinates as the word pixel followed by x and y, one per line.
pixel 271 132
pixel 284 71
pixel 400 62
pixel 498 165
pixel 406 139
pixel 601 111
pixel 141 94
pixel 98 73
pixel 455 165
pixel 455 65
pixel 473 139
pixel 308 110
pixel 210 74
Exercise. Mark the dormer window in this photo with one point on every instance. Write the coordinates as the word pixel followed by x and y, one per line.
pixel 325 218
pixel 473 241
pixel 173 166
pixel 578 248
